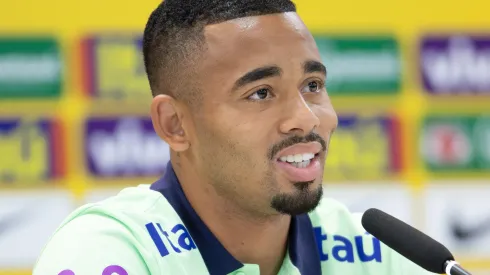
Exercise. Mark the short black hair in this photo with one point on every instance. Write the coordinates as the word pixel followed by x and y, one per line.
pixel 175 29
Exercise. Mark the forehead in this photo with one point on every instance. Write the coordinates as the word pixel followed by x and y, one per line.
pixel 246 43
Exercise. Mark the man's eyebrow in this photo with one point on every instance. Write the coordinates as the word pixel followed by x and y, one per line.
pixel 312 66
pixel 256 75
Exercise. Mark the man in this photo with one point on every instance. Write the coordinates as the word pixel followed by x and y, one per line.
pixel 239 96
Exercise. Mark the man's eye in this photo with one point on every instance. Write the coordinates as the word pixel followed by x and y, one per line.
pixel 313 87
pixel 260 94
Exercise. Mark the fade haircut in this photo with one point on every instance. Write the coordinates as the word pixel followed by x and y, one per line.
pixel 174 35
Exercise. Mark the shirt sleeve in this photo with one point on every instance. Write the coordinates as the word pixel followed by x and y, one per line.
pixel 91 244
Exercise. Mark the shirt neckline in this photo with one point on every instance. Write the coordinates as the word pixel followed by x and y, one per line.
pixel 302 245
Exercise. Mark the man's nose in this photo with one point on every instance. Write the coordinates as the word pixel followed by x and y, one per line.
pixel 299 118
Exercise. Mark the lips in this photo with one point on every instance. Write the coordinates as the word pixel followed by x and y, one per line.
pixel 301 148
pixel 300 162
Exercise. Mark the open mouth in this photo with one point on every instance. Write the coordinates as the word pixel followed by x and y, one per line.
pixel 299 160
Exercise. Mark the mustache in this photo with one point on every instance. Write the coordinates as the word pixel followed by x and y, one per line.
pixel 292 140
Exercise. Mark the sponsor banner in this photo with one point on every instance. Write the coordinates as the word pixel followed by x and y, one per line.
pixel 364 148
pixel 458 215
pixel 30 67
pixel 30 150
pixel 27 221
pixel 114 67
pixel 361 65
pixel 455 64
pixel 393 198
pixel 124 147
pixel 457 144
pixel 15 272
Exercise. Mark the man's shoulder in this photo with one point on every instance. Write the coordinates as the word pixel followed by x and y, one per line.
pixel 139 198
pixel 112 231
pixel 138 222
pixel 131 207
pixel 335 217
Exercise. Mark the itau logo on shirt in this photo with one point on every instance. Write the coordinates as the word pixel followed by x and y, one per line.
pixel 455 64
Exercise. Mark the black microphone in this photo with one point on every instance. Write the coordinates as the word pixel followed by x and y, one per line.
pixel 411 243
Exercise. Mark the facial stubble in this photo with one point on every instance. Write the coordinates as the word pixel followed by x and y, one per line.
pixel 302 201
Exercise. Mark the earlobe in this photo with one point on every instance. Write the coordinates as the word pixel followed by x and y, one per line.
pixel 167 122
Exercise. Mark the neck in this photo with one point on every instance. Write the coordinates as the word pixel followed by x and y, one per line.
pixel 249 238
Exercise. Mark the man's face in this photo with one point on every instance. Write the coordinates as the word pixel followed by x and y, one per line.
pixel 265 120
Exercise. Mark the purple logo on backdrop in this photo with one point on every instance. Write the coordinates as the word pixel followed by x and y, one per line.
pixel 110 270
pixel 456 64
pixel 124 146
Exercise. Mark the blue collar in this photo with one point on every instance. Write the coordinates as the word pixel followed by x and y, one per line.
pixel 303 249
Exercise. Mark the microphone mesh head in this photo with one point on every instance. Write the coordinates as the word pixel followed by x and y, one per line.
pixel 406 240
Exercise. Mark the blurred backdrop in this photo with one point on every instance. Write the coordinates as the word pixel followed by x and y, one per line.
pixel 409 79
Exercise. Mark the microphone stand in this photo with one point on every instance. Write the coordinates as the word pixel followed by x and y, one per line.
pixel 453 268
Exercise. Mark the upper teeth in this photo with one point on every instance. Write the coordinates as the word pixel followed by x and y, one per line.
pixel 298 157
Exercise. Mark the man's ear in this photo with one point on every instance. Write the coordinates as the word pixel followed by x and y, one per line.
pixel 167 122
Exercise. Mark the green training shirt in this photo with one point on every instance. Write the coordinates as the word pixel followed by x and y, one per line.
pixel 152 229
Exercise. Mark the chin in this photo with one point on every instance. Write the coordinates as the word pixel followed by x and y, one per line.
pixel 295 186
pixel 303 199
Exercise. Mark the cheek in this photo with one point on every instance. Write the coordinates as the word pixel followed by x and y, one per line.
pixel 217 140
pixel 241 149
pixel 328 119
pixel 249 129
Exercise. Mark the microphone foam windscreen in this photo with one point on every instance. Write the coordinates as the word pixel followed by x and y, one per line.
pixel 406 240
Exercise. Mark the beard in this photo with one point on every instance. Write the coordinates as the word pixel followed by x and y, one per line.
pixel 302 201
pixel 228 168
